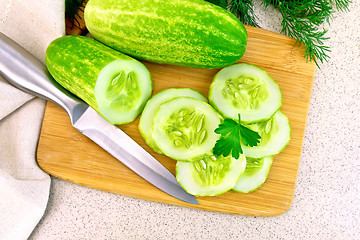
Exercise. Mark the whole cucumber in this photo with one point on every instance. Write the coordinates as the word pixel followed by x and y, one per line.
pixel 192 33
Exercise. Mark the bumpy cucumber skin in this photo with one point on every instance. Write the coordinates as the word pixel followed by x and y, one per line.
pixel 192 33
pixel 170 94
pixel 270 158
pixel 75 63
pixel 243 116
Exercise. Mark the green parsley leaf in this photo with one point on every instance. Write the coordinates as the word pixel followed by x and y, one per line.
pixel 232 134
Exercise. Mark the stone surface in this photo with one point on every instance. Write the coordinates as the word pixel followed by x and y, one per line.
pixel 327 197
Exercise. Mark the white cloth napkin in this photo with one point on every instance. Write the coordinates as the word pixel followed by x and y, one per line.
pixel 24 187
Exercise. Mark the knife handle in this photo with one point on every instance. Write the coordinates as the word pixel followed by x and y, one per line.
pixel 22 70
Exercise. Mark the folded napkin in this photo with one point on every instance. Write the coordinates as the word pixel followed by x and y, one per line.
pixel 24 187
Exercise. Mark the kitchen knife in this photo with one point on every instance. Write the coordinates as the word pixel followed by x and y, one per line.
pixel 25 72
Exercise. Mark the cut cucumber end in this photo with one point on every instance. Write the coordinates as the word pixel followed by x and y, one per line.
pixel 255 174
pixel 275 135
pixel 184 128
pixel 122 89
pixel 208 175
pixel 152 106
pixel 246 89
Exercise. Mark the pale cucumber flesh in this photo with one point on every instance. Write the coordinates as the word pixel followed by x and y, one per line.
pixel 208 175
pixel 152 106
pixel 184 128
pixel 246 89
pixel 255 174
pixel 122 89
pixel 275 135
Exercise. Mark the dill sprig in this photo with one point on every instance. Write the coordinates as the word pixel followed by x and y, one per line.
pixel 221 3
pixel 71 11
pixel 302 20
pixel 243 9
pixel 342 5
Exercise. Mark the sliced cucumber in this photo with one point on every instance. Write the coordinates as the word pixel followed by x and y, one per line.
pixel 115 85
pixel 152 106
pixel 255 174
pixel 122 89
pixel 184 128
pixel 246 89
pixel 275 135
pixel 209 175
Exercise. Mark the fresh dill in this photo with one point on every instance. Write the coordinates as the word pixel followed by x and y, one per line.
pixel 221 3
pixel 243 9
pixel 301 19
pixel 71 11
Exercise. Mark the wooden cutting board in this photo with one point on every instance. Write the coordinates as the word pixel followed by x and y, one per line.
pixel 65 153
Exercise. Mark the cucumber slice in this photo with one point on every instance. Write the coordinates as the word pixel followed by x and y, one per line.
pixel 122 89
pixel 275 135
pixel 255 174
pixel 246 89
pixel 152 106
pixel 209 175
pixel 184 128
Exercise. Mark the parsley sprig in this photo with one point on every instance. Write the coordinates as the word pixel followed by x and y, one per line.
pixel 232 135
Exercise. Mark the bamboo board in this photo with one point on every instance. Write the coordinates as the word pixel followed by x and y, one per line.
pixel 65 153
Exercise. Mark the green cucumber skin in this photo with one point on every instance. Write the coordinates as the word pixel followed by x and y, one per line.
pixel 75 63
pixel 192 33
pixel 265 176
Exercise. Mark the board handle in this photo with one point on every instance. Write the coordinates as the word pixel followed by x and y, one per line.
pixel 22 70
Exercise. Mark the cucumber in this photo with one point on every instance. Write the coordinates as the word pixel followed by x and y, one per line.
pixel 275 135
pixel 246 89
pixel 208 175
pixel 255 174
pixel 191 33
pixel 115 85
pixel 184 128
pixel 152 106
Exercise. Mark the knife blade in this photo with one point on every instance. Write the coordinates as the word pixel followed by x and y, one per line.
pixel 27 73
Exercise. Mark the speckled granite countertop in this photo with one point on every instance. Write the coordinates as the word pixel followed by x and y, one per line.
pixel 327 197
